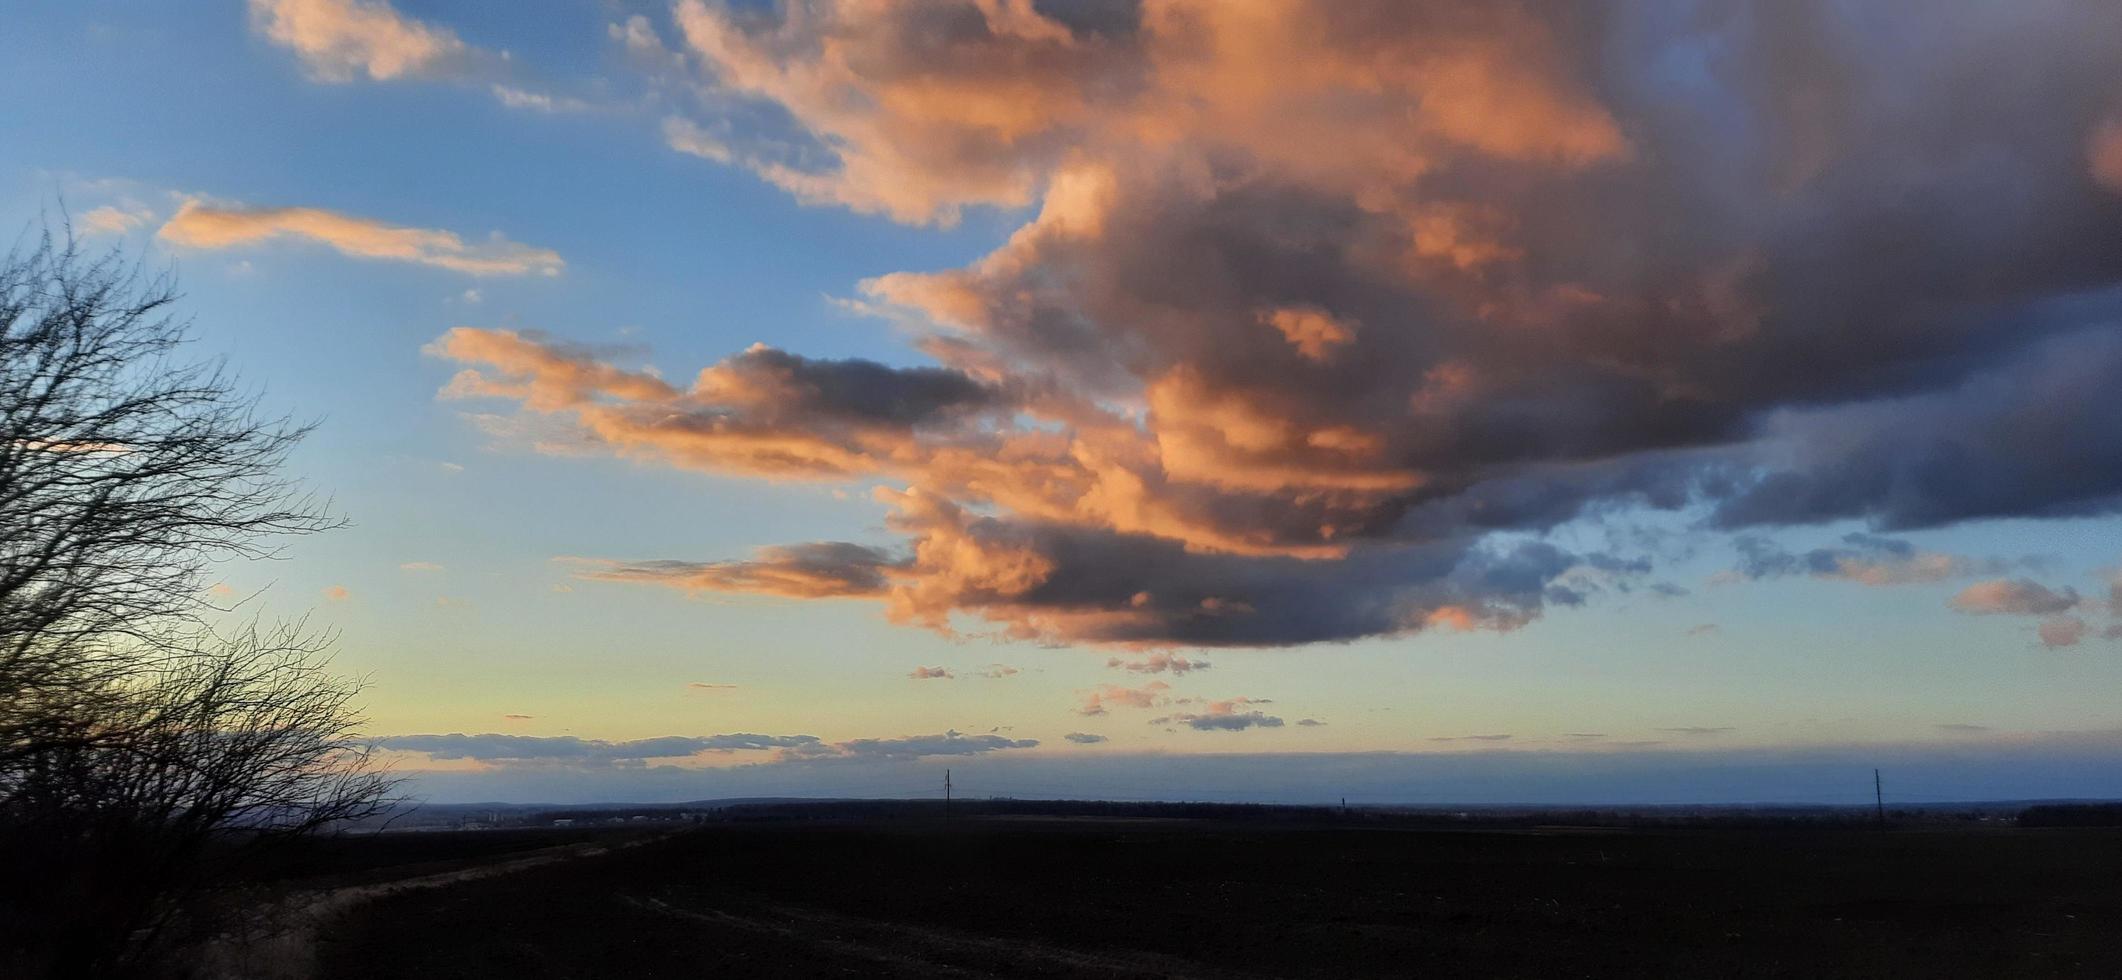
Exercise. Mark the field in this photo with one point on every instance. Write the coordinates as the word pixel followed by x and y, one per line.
pixel 1000 895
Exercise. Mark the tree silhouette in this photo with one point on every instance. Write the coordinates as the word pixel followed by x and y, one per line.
pixel 135 739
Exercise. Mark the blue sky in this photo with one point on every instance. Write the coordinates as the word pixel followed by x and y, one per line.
pixel 1038 225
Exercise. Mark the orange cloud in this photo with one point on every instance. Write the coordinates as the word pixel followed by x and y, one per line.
pixel 204 226
pixel 921 121
pixel 2103 154
pixel 1314 333
pixel 1326 313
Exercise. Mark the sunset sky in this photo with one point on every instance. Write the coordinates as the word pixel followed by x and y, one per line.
pixel 1455 401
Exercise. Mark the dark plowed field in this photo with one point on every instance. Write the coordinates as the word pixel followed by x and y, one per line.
pixel 1169 899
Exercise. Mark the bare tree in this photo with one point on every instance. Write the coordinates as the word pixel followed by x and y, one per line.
pixel 133 737
pixel 123 471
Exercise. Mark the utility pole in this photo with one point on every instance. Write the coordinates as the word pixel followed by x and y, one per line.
pixel 946 796
pixel 1879 798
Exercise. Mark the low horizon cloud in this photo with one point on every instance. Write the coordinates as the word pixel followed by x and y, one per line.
pixel 1963 767
pixel 497 749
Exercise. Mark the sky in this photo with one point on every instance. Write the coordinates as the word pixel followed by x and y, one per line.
pixel 1280 400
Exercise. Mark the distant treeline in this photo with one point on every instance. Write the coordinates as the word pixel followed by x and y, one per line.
pixel 930 809
pixel 2072 815
pixel 1381 817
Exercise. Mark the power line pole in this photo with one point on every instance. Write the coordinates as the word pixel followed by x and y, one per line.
pixel 1879 797
pixel 946 796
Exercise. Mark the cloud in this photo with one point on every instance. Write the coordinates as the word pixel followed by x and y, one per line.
pixel 919 110
pixel 205 226
pixel 113 220
pixel 915 747
pixel 1149 695
pixel 337 593
pixel 1233 722
pixel 1471 738
pixel 518 749
pixel 2006 766
pixel 1224 716
pixel 686 136
pixel 572 752
pixel 519 98
pixel 513 717
pixel 1329 352
pixel 1697 731
pixel 1866 559
pixel 2016 597
pixel 998 671
pixel 342 40
pixel 699 686
pixel 419 566
pixel 1159 663
pixel 2061 631
pixel 1703 629
pixel 1958 728
pixel 807 571
pixel 930 673
pixel 1084 738
pixel 1310 723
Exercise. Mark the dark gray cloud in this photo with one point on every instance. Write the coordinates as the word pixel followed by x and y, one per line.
pixel 2038 436
pixel 815 570
pixel 1869 559
pixel 1236 721
pixel 781 387
pixel 1085 738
